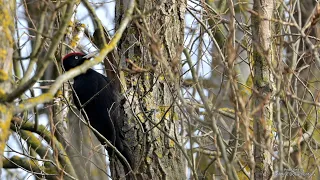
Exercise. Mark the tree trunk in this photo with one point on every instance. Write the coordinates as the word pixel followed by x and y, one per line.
pixel 7 14
pixel 264 83
pixel 153 118
pixel 85 151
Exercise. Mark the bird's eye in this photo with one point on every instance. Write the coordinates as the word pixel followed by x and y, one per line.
pixel 76 57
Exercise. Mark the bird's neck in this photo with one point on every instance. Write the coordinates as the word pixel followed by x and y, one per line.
pixel 89 71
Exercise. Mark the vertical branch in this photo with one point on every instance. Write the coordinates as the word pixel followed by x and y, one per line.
pixel 264 83
pixel 100 39
pixel 73 37
pixel 7 12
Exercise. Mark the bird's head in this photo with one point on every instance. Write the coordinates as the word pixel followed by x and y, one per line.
pixel 73 60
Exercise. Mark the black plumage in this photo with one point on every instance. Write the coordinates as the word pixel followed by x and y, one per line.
pixel 95 95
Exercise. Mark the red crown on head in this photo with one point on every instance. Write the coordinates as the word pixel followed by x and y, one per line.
pixel 73 54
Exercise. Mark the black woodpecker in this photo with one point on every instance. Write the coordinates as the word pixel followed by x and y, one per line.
pixel 95 95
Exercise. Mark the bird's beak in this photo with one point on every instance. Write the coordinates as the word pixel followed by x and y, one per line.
pixel 91 55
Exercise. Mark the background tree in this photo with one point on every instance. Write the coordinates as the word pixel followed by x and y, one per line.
pixel 210 89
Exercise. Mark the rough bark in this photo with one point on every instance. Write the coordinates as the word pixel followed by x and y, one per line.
pixel 7 12
pixel 264 83
pixel 152 121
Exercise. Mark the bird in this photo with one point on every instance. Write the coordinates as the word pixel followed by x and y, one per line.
pixel 95 94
